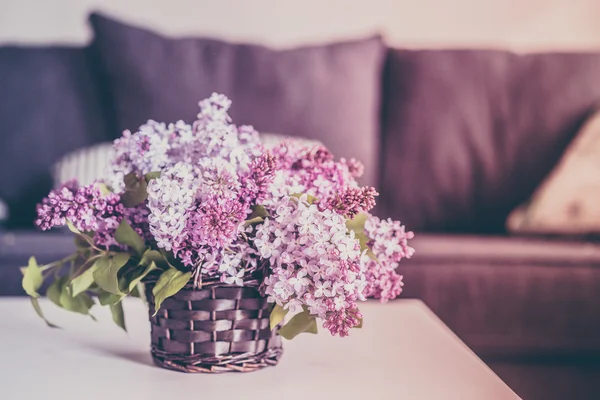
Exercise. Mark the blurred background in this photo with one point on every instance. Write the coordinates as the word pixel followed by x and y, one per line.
pixel 514 24
pixel 476 119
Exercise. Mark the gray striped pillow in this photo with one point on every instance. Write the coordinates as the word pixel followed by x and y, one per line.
pixel 86 165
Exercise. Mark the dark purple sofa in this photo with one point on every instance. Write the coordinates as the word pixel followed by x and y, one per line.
pixel 457 140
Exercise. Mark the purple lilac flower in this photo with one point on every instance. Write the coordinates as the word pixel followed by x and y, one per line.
pixel 85 207
pixel 137 217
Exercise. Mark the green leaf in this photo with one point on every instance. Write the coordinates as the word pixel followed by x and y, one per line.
pixel 80 237
pixel 152 175
pixel 301 322
pixel 127 236
pixel 107 298
pixel 168 257
pixel 360 324
pixel 136 190
pixel 309 199
pixel 255 220
pixel 54 291
pixel 358 226
pixel 117 315
pixel 153 256
pixel 135 292
pixel 170 282
pixel 81 243
pixel 104 190
pixel 72 228
pixel 32 278
pixel 36 306
pixel 277 315
pixel 258 211
pixel 82 282
pixel 79 304
pixel 107 269
pixel 139 274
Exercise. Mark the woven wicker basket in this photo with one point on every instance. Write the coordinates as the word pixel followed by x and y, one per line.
pixel 214 329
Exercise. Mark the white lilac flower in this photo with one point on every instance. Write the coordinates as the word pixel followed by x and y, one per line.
pixel 170 199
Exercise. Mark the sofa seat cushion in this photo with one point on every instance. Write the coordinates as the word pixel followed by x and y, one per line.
pixel 510 296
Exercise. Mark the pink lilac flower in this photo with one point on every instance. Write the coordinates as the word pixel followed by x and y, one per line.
pixel 215 223
pixel 389 243
pixel 256 183
pixel 313 170
pixel 314 262
pixel 355 167
pixel 341 321
pixel 352 201
pixel 217 177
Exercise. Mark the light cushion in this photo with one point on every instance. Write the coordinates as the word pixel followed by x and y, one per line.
pixel 85 165
pixel 51 102
pixel 567 201
pixel 329 93
pixel 468 135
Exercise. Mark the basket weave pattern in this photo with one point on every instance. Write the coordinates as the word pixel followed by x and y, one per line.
pixel 214 329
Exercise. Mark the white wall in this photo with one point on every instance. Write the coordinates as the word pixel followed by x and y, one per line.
pixel 516 24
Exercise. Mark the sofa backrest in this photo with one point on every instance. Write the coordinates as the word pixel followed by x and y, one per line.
pixel 468 135
pixel 51 102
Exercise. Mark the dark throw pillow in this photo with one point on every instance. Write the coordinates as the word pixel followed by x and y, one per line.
pixel 330 93
pixel 50 104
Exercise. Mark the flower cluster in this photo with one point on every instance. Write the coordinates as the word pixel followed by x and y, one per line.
pixel 211 139
pixel 314 171
pixel 389 244
pixel 212 173
pixel 85 207
pixel 209 198
pixel 315 263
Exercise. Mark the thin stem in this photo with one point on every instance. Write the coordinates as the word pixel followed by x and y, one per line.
pixel 59 262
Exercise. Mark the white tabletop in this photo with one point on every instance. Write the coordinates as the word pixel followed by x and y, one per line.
pixel 403 352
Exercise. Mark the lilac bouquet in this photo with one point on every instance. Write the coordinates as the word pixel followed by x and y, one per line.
pixel 204 203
